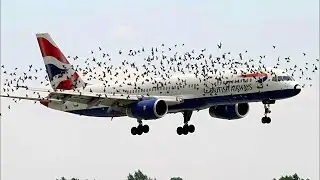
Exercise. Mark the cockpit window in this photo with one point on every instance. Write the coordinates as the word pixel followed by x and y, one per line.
pixel 285 78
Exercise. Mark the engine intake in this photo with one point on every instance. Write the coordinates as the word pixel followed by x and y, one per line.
pixel 230 112
pixel 148 109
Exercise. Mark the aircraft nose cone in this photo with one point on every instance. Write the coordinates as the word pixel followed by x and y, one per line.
pixel 297 89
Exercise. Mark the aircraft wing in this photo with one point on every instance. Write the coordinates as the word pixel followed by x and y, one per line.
pixel 94 99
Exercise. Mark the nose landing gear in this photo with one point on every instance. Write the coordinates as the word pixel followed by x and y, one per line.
pixel 266 119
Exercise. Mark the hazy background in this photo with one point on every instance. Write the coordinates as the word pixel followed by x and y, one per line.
pixel 39 143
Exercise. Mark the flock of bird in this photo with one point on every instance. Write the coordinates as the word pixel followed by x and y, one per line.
pixel 161 62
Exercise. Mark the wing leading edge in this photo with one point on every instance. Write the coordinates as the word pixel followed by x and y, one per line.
pixel 95 99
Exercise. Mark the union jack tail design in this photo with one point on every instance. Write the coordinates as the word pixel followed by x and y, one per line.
pixel 60 72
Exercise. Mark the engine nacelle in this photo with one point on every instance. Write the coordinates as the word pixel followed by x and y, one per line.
pixel 234 111
pixel 148 109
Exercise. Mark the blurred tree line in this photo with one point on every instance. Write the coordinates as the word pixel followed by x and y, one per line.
pixel 138 175
pixel 293 177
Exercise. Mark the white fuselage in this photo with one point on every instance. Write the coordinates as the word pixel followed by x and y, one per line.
pixel 190 87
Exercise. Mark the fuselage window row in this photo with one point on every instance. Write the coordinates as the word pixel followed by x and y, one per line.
pixel 177 87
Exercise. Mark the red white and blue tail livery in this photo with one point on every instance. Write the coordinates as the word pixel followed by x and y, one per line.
pixel 226 94
pixel 60 72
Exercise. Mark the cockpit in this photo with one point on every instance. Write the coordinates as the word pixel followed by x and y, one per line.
pixel 282 78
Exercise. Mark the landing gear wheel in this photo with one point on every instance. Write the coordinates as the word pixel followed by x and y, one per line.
pixel 185 131
pixel 139 130
pixel 145 128
pixel 191 128
pixel 263 120
pixel 133 130
pixel 186 128
pixel 179 130
pixel 268 120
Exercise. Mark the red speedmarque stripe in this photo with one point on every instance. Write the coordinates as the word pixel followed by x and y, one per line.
pixel 255 75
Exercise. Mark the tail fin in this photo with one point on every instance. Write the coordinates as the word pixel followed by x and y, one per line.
pixel 60 72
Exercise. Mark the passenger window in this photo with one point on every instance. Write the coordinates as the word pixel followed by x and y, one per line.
pixel 280 78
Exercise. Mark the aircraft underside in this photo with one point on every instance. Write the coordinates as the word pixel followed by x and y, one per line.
pixel 196 104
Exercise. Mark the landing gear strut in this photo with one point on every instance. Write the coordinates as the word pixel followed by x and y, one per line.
pixel 140 129
pixel 266 119
pixel 186 128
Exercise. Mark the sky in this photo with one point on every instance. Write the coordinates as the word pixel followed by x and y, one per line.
pixel 40 143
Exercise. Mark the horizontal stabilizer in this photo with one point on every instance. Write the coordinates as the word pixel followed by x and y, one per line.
pixel 33 89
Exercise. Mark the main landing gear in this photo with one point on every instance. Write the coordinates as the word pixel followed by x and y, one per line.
pixel 140 129
pixel 266 104
pixel 186 128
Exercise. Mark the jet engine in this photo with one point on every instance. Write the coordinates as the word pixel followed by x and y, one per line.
pixel 230 112
pixel 148 109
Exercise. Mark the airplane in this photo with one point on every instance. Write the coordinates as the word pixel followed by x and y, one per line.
pixel 226 94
